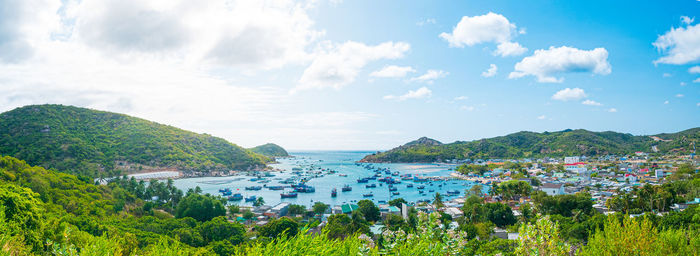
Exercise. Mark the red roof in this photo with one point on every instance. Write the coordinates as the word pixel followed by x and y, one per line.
pixel 577 163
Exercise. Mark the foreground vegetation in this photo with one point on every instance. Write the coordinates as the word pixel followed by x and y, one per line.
pixel 43 212
pixel 533 145
pixel 100 144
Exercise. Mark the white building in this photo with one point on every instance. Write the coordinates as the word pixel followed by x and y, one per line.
pixel 553 189
pixel 572 159
pixel 659 173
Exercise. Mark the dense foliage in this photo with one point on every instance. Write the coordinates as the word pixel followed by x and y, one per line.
pixel 270 150
pixel 532 144
pixel 97 143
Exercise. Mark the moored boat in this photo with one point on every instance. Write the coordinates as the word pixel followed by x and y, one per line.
pixel 289 195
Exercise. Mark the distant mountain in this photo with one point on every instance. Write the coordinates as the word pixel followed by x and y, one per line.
pixel 98 143
pixel 270 150
pixel 532 144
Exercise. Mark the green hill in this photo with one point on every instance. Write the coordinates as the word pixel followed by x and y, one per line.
pixel 532 144
pixel 270 150
pixel 98 143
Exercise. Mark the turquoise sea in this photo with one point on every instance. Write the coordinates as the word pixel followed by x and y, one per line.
pixel 346 173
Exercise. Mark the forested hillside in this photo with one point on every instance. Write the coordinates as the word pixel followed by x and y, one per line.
pixel 270 150
pixel 98 143
pixel 532 144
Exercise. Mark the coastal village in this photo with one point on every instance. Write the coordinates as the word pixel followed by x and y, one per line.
pixel 602 178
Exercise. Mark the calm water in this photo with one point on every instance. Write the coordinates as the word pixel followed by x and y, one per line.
pixel 343 162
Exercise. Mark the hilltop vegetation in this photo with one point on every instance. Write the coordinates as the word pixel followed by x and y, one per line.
pixel 98 143
pixel 532 144
pixel 270 150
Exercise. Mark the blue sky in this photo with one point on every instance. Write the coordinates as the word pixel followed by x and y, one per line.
pixel 360 74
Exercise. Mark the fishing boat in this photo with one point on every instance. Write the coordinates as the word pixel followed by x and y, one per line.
pixel 396 193
pixel 395 174
pixel 289 195
pixel 342 175
pixel 226 193
pixel 431 190
pixel 409 185
pixel 250 199
pixel 253 188
pixel 235 197
pixel 371 186
pixel 368 195
pixel 222 190
pixel 393 189
pixel 363 180
pixel 276 187
pixel 334 192
pixel 453 192
pixel 421 187
pixel 346 188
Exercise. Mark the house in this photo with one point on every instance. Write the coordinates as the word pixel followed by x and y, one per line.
pixel 553 188
pixel 348 208
pixel 278 211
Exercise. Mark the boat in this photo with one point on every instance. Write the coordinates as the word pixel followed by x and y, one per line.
pixel 250 199
pixel 396 193
pixel 289 195
pixel 409 185
pixel 395 174
pixel 453 192
pixel 363 180
pixel 334 192
pixel 342 175
pixel 382 201
pixel 421 187
pixel 431 190
pixel 253 188
pixel 393 189
pixel 235 197
pixel 371 186
pixel 276 187
pixel 346 188
pixel 226 193
pixel 222 190
pixel 368 195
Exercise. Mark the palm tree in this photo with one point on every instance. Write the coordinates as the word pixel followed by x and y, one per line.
pixel 258 202
pixel 437 201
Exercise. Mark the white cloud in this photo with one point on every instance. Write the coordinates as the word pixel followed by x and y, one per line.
pixel 698 104
pixel 542 117
pixel 221 33
pixel 461 98
pixel 612 110
pixel 679 95
pixel 493 69
pixel 24 25
pixel 488 28
pixel 666 102
pixel 339 65
pixel 392 71
pixel 467 108
pixel 687 20
pixel 544 64
pixel 426 22
pixel 666 75
pixel 694 70
pixel 430 76
pixel 697 80
pixel 591 103
pixel 569 94
pixel 506 49
pixel 417 94
pixel 681 45
pixel 683 84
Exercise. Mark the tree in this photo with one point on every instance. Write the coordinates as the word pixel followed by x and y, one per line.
pixel 476 190
pixel 541 239
pixel 219 229
pixel 247 214
pixel 394 222
pixel 22 212
pixel 369 210
pixel 277 227
pixel 437 201
pixel 320 208
pixel 233 209
pixel 295 209
pixel 259 201
pixel 514 189
pixel 200 207
pixel 397 202
pixel 500 214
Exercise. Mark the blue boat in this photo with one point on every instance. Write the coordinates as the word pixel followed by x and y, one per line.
pixel 346 188
pixel 226 193
pixel 235 197
pixel 250 199
pixel 371 186
pixel 363 180
pixel 253 188
pixel 368 195
pixel 222 190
